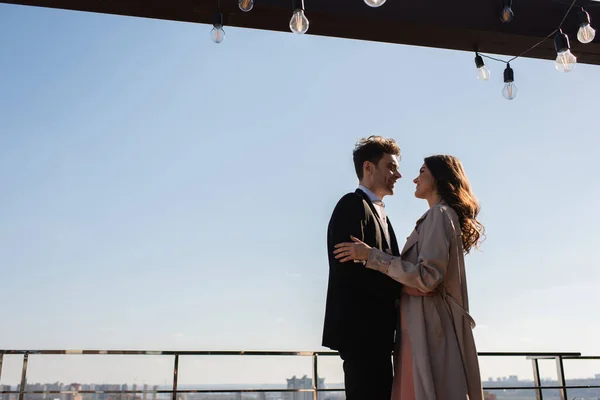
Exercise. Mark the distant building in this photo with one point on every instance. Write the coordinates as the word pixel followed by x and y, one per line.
pixel 7 396
pixel 301 383
pixel 75 396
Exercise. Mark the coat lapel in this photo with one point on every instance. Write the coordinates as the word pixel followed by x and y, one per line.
pixel 372 207
pixel 414 236
pixel 394 248
pixel 410 241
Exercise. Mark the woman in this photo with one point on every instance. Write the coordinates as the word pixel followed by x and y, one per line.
pixel 436 356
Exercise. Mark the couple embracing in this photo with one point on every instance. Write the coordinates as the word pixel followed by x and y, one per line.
pixel 399 319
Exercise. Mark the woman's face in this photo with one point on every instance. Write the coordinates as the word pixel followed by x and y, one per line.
pixel 425 183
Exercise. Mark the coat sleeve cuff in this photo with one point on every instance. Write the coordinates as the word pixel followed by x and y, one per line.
pixel 380 261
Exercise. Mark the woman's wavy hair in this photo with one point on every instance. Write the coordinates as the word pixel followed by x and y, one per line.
pixel 453 187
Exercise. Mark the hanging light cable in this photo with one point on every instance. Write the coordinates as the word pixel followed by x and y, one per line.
pixel 217 34
pixel 299 23
pixel 483 73
pixel 510 89
pixel 586 33
pixel 565 60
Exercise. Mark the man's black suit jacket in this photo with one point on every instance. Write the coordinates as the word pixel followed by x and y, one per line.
pixel 361 313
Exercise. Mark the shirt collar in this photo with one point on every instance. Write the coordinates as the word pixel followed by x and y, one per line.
pixel 372 196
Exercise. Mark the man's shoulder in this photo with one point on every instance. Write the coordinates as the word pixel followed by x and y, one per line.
pixel 352 198
pixel 352 195
pixel 350 203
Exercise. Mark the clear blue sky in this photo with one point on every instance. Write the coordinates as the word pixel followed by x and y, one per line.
pixel 160 191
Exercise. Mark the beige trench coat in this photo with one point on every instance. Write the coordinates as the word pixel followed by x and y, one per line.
pixel 444 356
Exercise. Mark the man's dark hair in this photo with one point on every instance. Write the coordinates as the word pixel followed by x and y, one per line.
pixel 372 149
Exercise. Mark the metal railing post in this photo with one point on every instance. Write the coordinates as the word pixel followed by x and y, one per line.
pixel 24 376
pixel 1 361
pixel 560 372
pixel 175 372
pixel 536 379
pixel 315 377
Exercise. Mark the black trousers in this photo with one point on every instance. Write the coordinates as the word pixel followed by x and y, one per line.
pixel 368 376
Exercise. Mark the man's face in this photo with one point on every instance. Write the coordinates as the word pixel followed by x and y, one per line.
pixel 385 174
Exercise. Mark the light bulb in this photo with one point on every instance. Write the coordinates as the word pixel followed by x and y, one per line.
pixel 507 14
pixel 565 61
pixel 483 73
pixel 299 23
pixel 246 5
pixel 510 91
pixel 217 34
pixel 586 34
pixel 375 3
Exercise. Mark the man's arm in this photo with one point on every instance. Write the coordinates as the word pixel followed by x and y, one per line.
pixel 348 219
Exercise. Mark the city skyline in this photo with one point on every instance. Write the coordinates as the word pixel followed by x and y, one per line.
pixel 149 387
pixel 494 389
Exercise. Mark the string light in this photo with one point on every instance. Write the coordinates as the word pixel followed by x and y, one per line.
pixel 586 33
pixel 483 73
pixel 565 60
pixel 246 5
pixel 510 89
pixel 217 34
pixel 375 3
pixel 507 12
pixel 299 23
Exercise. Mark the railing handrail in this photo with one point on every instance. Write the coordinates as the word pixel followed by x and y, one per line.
pixel 565 355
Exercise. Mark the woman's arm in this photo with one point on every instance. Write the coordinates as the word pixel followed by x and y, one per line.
pixel 434 253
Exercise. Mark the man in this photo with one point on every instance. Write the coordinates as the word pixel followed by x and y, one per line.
pixel 361 313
